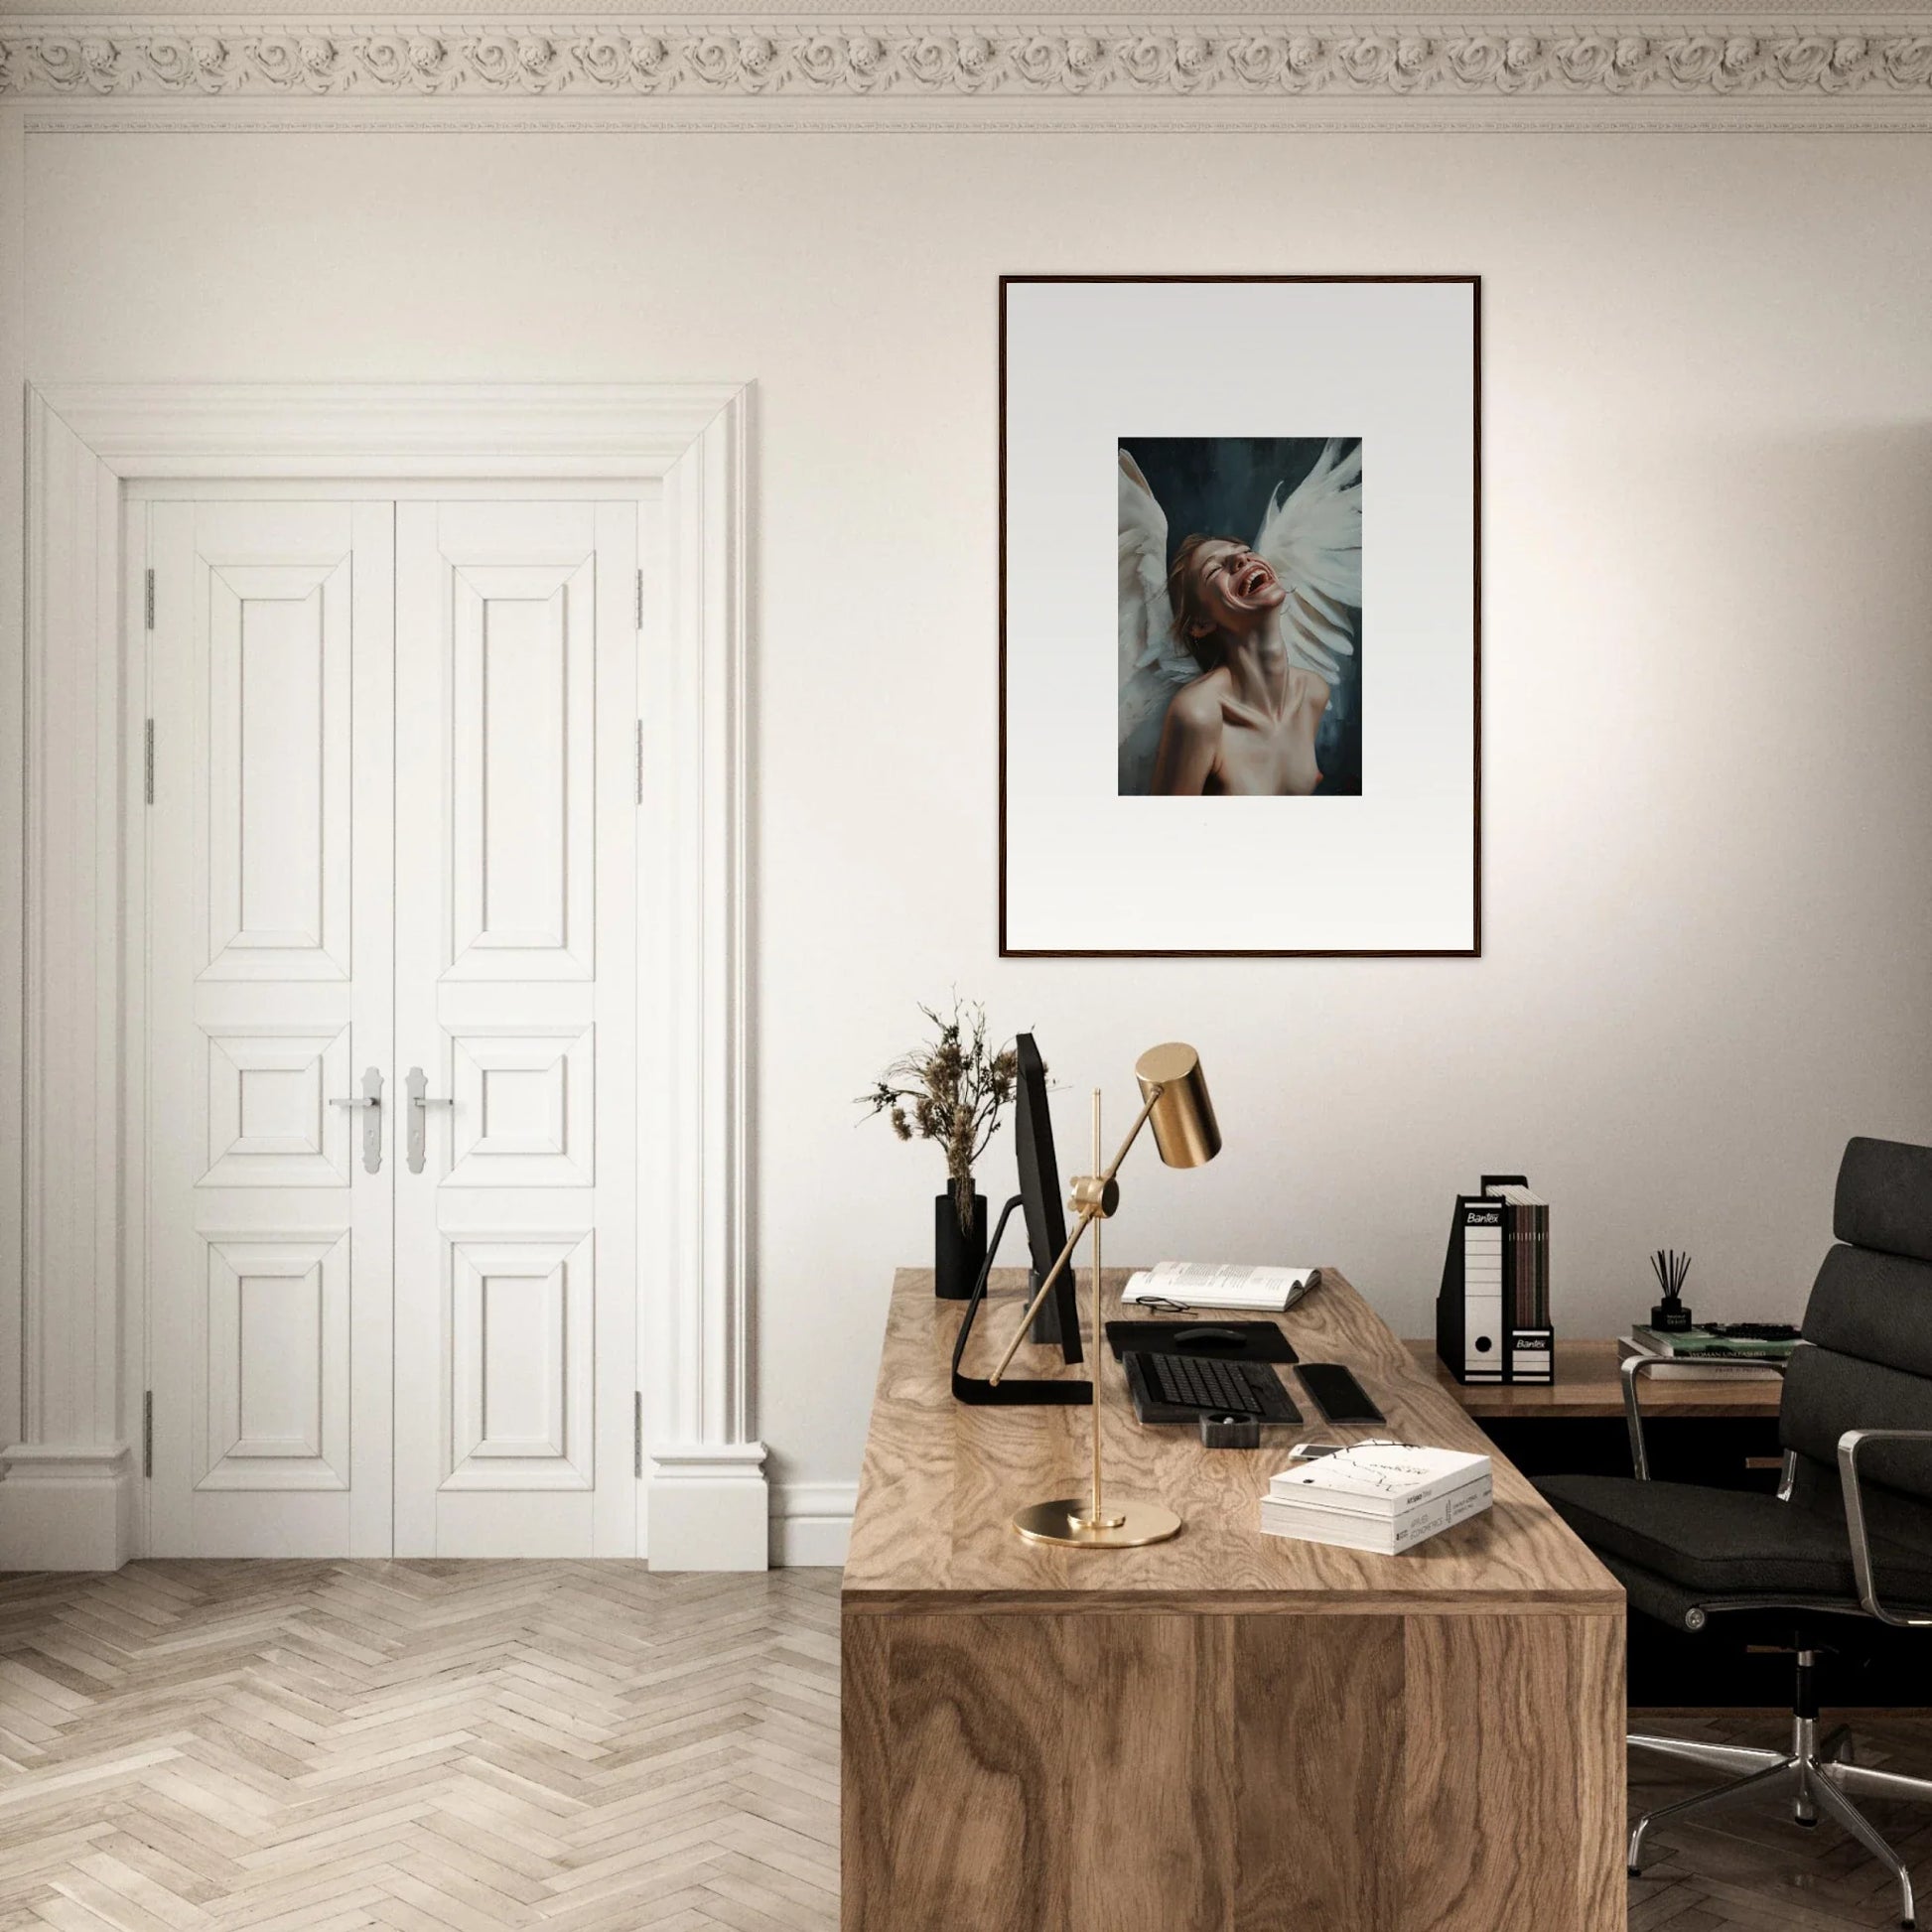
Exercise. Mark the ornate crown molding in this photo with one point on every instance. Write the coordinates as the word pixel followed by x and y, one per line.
pixel 1563 65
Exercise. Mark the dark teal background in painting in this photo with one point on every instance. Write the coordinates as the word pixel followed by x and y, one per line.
pixel 1219 485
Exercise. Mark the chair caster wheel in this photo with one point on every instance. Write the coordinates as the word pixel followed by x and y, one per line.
pixel 1810 1824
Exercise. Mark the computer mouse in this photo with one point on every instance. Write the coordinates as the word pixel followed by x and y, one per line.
pixel 1208 1337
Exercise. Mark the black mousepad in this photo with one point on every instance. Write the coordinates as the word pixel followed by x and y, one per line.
pixel 1251 1341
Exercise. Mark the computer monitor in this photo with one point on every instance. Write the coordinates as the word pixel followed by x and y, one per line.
pixel 1039 1194
pixel 1039 1200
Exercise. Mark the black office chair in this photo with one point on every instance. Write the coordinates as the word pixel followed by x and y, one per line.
pixel 1848 1535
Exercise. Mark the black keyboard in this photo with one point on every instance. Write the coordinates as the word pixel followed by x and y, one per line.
pixel 1204 1386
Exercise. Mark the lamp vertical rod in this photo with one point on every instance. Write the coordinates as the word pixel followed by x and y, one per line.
pixel 1096 1516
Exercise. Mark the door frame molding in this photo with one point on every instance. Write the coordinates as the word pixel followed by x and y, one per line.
pixel 71 1461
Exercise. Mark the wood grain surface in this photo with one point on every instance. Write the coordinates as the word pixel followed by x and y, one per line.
pixel 1137 1771
pixel 1587 1385
pixel 1320 1701
pixel 1513 1780
pixel 941 1481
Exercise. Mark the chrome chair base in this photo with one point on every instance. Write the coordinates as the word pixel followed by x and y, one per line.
pixel 1818 1775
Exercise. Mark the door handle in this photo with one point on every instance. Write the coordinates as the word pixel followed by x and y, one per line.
pixel 420 1102
pixel 370 1099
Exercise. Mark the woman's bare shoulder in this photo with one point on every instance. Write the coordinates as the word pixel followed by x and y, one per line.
pixel 1198 706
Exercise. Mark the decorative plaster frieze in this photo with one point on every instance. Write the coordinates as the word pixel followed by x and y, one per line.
pixel 1239 60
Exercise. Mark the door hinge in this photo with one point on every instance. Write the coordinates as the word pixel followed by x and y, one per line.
pixel 147 761
pixel 640 761
pixel 147 1434
pixel 637 1433
pixel 640 597
pixel 150 600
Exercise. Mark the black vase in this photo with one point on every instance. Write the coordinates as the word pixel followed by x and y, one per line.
pixel 957 1257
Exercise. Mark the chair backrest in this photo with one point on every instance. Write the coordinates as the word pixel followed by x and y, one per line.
pixel 1869 1325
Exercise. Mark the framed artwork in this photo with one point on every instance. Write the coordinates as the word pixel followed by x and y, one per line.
pixel 1258 731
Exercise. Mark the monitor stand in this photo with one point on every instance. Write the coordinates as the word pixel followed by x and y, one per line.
pixel 1012 1391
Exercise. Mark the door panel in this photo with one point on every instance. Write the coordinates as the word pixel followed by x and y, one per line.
pixel 522 1315
pixel 269 893
pixel 279 750
pixel 524 702
pixel 516 969
pixel 525 1111
pixel 278 1364
pixel 270 1123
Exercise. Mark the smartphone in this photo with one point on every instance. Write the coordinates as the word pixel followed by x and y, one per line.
pixel 1336 1393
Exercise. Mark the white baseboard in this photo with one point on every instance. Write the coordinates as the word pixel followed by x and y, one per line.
pixel 65 1508
pixel 73 1509
pixel 710 1506
pixel 811 1523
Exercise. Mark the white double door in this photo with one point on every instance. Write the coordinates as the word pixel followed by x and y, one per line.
pixel 391 860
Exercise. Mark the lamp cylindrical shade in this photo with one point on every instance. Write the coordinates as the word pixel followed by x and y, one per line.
pixel 1184 1128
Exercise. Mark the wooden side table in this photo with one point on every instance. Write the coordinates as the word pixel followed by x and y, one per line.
pixel 1587 1386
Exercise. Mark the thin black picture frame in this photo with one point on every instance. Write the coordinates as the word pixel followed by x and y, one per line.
pixel 1474 949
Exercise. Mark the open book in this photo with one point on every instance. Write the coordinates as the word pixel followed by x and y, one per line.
pixel 1220 1284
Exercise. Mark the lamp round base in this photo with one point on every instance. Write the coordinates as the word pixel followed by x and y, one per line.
pixel 1065 1521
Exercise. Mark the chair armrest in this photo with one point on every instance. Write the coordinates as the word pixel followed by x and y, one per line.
pixel 1849 1445
pixel 1632 1370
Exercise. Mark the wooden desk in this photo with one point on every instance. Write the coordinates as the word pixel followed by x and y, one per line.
pixel 1587 1385
pixel 1227 1732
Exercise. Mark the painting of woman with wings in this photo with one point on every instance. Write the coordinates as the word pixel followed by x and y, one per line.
pixel 1240 665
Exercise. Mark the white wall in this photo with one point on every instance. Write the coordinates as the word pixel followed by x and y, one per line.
pixel 1706 648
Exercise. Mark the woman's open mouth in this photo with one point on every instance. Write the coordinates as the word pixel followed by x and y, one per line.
pixel 1254 578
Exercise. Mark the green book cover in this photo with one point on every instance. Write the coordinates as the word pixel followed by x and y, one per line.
pixel 1700 1341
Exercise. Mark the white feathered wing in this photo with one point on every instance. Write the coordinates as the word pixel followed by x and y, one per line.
pixel 1312 542
pixel 1152 665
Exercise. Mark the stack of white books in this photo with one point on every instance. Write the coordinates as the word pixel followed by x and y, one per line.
pixel 1218 1285
pixel 1381 1496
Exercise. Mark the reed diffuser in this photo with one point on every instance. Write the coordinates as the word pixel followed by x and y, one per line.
pixel 1670 1267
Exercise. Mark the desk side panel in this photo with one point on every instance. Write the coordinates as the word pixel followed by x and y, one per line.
pixel 1513 1781
pixel 865 1774
pixel 955 1775
pixel 1318 1737
pixel 1150 1772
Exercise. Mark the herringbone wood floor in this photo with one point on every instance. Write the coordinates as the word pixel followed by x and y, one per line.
pixel 457 1748
pixel 314 1746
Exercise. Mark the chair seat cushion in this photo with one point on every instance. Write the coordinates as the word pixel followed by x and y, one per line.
pixel 1729 1542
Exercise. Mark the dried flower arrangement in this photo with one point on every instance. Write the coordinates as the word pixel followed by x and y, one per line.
pixel 951 1090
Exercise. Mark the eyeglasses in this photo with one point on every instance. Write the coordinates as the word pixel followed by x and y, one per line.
pixel 1310 1452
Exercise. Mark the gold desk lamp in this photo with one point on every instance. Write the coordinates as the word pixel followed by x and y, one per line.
pixel 1174 1100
